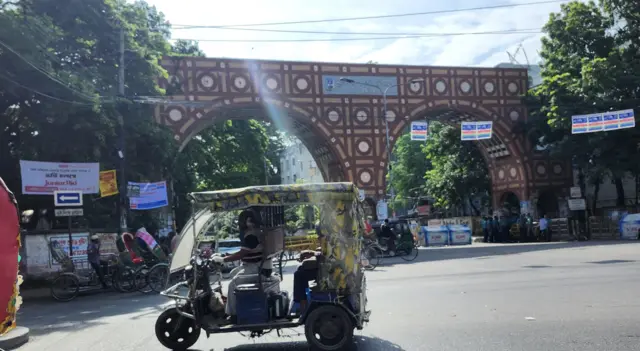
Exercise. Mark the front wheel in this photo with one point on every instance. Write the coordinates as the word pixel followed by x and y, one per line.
pixel 329 328
pixel 407 251
pixel 65 287
pixel 141 281
pixel 176 332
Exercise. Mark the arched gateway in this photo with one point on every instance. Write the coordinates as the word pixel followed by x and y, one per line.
pixel 340 123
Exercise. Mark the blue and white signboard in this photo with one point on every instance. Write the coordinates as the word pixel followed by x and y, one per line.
pixel 598 122
pixel 436 235
pixel 359 85
pixel 419 130
pixel 67 198
pixel 152 195
pixel 629 226
pixel 459 235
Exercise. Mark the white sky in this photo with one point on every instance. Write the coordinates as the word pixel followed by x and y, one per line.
pixel 468 50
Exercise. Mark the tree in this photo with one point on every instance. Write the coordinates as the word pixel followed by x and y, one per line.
pixel 408 169
pixel 186 48
pixel 59 102
pixel 458 172
pixel 590 64
pixel 449 171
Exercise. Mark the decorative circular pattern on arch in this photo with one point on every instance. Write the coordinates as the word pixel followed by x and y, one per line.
pixel 365 176
pixel 302 83
pixel 391 116
pixel 175 114
pixel 489 87
pixel 363 146
pixel 208 81
pixel 557 168
pixel 240 83
pixel 440 86
pixel 512 88
pixel 415 88
pixel 271 82
pixel 361 115
pixel 333 115
pixel 465 87
pixel 513 173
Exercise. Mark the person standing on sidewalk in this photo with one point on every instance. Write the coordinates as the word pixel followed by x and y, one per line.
pixel 544 228
pixel 485 223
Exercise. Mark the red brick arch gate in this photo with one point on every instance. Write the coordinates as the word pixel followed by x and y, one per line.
pixel 341 124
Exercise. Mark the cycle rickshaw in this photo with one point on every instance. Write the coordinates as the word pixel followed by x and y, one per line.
pixel 336 305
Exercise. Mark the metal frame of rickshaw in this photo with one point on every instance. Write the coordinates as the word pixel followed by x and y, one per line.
pixel 358 319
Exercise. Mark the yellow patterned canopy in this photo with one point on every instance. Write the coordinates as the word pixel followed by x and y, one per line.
pixel 276 195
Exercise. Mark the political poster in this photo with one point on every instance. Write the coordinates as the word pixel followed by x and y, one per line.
pixel 148 195
pixel 476 130
pixel 602 122
pixel 108 183
pixel 43 178
pixel 419 130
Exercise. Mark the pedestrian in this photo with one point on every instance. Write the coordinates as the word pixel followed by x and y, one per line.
pixel 544 228
pixel 486 220
pixel 522 226
pixel 93 255
pixel 495 229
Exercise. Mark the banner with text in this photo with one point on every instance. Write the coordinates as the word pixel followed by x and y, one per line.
pixel 601 122
pixel 419 130
pixel 108 183
pixel 476 130
pixel 148 195
pixel 43 178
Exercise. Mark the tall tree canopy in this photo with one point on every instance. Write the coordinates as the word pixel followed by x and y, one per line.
pixel 591 63
pixel 59 101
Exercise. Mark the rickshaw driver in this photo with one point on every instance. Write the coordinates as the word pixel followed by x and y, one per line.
pixel 251 256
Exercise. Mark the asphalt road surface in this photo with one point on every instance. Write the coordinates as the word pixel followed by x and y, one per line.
pixel 556 296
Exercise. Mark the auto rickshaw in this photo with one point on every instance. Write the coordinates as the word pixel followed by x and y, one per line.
pixel 336 304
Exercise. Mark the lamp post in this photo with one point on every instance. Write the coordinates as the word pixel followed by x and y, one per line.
pixel 384 115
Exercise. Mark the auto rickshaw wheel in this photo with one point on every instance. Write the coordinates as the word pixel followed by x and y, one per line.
pixel 329 328
pixel 65 287
pixel 175 331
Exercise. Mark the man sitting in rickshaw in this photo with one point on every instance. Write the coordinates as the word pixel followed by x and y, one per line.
pixel 306 272
pixel 251 256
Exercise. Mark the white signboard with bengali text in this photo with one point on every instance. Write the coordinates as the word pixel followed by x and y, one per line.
pixel 43 178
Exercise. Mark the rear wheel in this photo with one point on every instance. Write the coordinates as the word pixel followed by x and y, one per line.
pixel 176 332
pixel 141 281
pixel 329 328
pixel 373 257
pixel 123 279
pixel 407 251
pixel 65 287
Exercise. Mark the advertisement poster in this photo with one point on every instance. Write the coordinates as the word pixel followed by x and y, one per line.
pixel 382 211
pixel 80 241
pixel 43 178
pixel 148 195
pixel 108 183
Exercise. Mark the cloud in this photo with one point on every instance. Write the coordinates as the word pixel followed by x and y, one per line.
pixel 468 50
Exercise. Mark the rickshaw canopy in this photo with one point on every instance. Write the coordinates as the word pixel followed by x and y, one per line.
pixel 275 195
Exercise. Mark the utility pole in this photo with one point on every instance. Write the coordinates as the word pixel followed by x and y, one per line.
pixel 122 209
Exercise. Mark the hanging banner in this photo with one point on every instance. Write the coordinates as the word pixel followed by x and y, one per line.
pixel 382 211
pixel 149 195
pixel 419 130
pixel 598 122
pixel 476 130
pixel 108 183
pixel 43 178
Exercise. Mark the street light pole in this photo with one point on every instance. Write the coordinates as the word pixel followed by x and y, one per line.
pixel 386 121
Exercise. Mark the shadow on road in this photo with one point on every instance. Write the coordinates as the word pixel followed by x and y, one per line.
pixel 361 343
pixel 488 251
pixel 82 313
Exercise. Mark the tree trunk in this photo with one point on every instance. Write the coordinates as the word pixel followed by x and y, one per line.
pixel 620 201
pixel 596 191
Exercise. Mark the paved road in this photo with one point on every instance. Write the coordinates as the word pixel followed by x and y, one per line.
pixel 557 296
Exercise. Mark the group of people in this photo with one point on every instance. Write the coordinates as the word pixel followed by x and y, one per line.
pixel 498 229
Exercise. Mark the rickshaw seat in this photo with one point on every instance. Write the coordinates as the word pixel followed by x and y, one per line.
pixel 137 260
pixel 272 242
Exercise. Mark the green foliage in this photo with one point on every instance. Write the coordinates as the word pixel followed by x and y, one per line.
pixel 59 101
pixel 458 171
pixel 443 168
pixel 590 64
